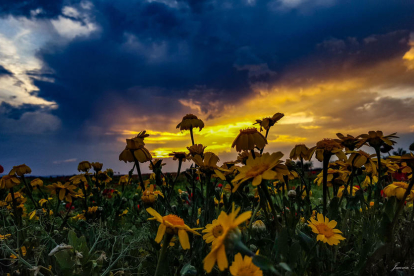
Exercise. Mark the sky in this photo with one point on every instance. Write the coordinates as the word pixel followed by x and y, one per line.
pixel 79 77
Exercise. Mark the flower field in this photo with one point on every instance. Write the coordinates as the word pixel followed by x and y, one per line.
pixel 265 213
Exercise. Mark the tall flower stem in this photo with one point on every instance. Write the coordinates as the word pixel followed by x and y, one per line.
pixel 272 206
pixel 180 161
pixel 192 135
pixel 29 192
pixel 139 171
pixel 325 162
pixel 165 243
pixel 267 132
pixel 17 218
pixel 252 218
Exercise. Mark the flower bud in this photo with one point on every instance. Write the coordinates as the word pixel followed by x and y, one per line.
pixel 292 194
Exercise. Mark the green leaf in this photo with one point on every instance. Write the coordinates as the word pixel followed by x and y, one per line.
pixel 305 241
pixel 263 263
pixel 285 266
pixel 188 270
pixel 390 208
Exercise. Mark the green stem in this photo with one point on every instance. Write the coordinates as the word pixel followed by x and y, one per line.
pixel 251 220
pixel 192 135
pixel 165 243
pixel 139 171
pixel 29 192
pixel 272 206
pixel 401 205
pixel 326 157
pixel 267 132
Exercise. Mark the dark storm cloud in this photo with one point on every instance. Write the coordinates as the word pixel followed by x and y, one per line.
pixel 15 113
pixel 45 8
pixel 4 72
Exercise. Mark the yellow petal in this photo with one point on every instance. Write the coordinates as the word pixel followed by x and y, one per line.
pixel 222 258
pixel 183 237
pixel 160 233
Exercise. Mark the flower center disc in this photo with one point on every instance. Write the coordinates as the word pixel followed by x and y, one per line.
pixel 325 230
pixel 257 170
pixel 245 271
pixel 218 231
pixel 174 220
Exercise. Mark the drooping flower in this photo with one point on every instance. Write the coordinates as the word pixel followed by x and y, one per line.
pixel 172 225
pixel 179 155
pixel 326 230
pixel 244 267
pixel 398 190
pixel 266 123
pixel 248 139
pixel 149 195
pixel 8 181
pixel 97 166
pixel 342 189
pixel 84 166
pixel 209 164
pixel 65 191
pixel 300 151
pixel 197 149
pixel 348 141
pixel 124 180
pixel 361 158
pixel 20 170
pixel 376 139
pixel 268 167
pixel 213 231
pixel 190 121
pixel 142 155
pixel 244 155
pixel 157 164
pixel 230 223
pixel 329 147
pixel 37 182
pixel 78 179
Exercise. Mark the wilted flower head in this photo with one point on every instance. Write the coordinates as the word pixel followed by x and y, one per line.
pixel 196 149
pixel 248 139
pixel 20 170
pixel 190 121
pixel 348 141
pixel 179 155
pixel 157 163
pixel 9 181
pixel 327 146
pixel 37 182
pixel 376 139
pixel 300 151
pixel 149 195
pixel 266 123
pixel 77 179
pixel 97 166
pixel 398 190
pixel 209 164
pixel 84 166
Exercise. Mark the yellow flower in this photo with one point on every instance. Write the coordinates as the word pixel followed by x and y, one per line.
pixel 24 251
pixel 9 181
pixel 248 139
pixel 149 195
pixel 361 158
pixel 172 225
pixel 124 180
pixel 4 237
pixel 334 176
pixel 182 156
pixel 20 170
pixel 244 267
pixel 124 213
pixel 325 230
pixel 408 159
pixel 369 181
pixel 244 155
pixel 197 149
pixel 142 155
pixel 327 146
pixel 261 168
pixel 342 188
pixel 300 151
pixel 348 141
pixel 213 231
pixel 126 155
pixel 398 190
pixel 209 164
pixel 230 223
pixel 376 139
pixel 77 179
pixel 43 201
pixel 65 191
pixel 266 123
pixel 84 166
pixel 97 166
pixel 190 121
pixel 259 225
pixel 37 182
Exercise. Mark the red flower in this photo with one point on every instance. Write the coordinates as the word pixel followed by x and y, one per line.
pixel 220 185
pixel 138 206
pixel 357 186
pixel 197 178
pixel 1 169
